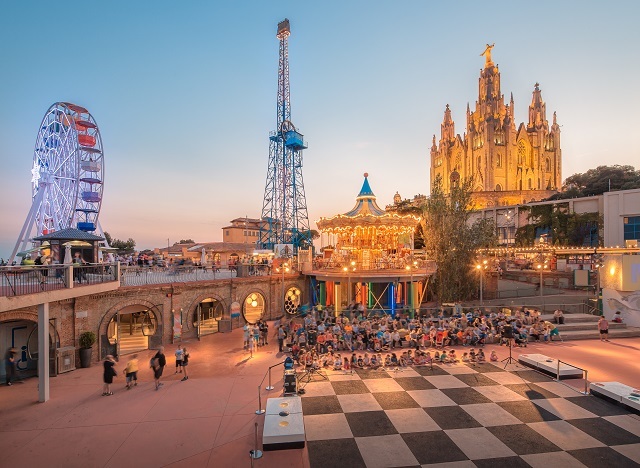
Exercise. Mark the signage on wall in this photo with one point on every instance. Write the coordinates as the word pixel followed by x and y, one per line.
pixel 235 310
pixel 177 326
pixel 630 273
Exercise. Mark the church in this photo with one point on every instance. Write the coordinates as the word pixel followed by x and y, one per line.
pixel 509 165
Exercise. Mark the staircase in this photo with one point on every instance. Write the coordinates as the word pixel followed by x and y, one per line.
pixel 132 343
pixel 585 327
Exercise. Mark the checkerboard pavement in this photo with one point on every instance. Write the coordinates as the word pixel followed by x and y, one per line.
pixel 459 415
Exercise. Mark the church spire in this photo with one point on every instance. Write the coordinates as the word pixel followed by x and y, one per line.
pixel 448 127
pixel 537 109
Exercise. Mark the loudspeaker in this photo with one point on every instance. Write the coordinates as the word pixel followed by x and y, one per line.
pixel 290 381
pixel 507 331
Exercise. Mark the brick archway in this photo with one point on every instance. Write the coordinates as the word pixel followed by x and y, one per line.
pixel 191 308
pixel 111 313
pixel 265 297
pixel 19 315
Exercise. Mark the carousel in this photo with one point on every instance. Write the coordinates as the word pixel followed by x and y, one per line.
pixel 369 259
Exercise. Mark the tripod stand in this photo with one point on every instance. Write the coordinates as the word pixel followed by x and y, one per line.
pixel 308 375
pixel 510 359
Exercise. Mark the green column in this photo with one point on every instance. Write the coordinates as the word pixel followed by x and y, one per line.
pixel 323 294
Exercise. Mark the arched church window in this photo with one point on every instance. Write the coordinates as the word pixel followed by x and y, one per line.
pixel 498 160
pixel 530 184
pixel 548 164
pixel 498 188
pixel 522 152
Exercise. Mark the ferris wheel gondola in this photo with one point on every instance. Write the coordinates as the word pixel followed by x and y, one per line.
pixel 67 176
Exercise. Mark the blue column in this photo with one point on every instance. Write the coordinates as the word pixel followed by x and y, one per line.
pixel 392 299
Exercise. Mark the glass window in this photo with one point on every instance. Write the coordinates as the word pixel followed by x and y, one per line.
pixel 292 300
pixel 632 228
pixel 253 307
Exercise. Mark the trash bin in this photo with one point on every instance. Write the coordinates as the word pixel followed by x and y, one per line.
pixel 224 325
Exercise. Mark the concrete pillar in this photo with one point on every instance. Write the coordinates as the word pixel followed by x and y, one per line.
pixel 43 352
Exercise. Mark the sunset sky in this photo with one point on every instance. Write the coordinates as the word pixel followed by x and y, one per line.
pixel 184 94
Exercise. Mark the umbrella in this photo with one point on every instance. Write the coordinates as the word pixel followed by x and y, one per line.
pixel 203 257
pixel 109 249
pixel 24 253
pixel 67 255
pixel 77 243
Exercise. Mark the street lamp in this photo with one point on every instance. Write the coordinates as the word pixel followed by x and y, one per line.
pixel 543 262
pixel 410 269
pixel 348 271
pixel 284 268
pixel 481 266
pixel 599 258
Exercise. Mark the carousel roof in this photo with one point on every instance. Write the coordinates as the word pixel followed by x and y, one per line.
pixel 366 212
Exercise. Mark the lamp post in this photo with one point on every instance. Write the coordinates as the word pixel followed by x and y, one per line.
pixel 481 266
pixel 410 268
pixel 283 268
pixel 542 263
pixel 348 271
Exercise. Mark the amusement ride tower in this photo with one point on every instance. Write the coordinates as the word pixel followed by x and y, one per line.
pixel 284 209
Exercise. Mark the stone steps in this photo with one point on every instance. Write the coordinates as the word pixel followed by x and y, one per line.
pixel 628 332
pixel 572 318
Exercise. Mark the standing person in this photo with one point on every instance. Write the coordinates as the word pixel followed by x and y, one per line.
pixel 179 362
pixel 256 335
pixel 246 335
pixel 131 371
pixel 185 363
pixel 603 326
pixel 109 374
pixel 10 367
pixel 158 362
pixel 264 332
pixel 281 337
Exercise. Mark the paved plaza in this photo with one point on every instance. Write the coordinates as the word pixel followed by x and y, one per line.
pixel 478 415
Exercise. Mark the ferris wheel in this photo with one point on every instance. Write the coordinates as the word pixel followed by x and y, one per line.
pixel 67 176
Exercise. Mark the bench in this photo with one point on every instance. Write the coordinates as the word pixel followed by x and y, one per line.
pixel 619 393
pixel 283 424
pixel 549 366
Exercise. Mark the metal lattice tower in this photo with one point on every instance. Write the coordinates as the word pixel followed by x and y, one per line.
pixel 284 209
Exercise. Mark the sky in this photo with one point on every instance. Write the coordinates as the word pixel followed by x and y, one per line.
pixel 184 94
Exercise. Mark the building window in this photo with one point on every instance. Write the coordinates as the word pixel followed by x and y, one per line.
pixel 498 188
pixel 226 232
pixel 530 184
pixel 498 160
pixel 253 307
pixel 548 164
pixel 632 227
pixel 522 152
pixel 292 300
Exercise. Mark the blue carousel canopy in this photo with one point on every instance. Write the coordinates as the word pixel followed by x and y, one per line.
pixel 366 202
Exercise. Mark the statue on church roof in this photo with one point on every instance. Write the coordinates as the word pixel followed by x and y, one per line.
pixel 487 54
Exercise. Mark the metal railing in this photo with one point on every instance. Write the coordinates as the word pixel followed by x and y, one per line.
pixel 338 265
pixel 30 279
pixel 584 376
pixel 139 276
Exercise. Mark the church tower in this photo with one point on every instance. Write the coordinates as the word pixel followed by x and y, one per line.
pixel 508 166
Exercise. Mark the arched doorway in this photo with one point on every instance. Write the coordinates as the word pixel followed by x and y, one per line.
pixel 129 329
pixel 23 336
pixel 207 315
pixel 253 307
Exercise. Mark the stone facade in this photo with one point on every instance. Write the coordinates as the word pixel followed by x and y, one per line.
pixel 508 164
pixel 94 312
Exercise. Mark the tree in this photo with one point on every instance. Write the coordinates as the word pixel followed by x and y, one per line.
pixel 451 242
pixel 562 227
pixel 599 180
pixel 407 207
pixel 122 246
pixel 186 241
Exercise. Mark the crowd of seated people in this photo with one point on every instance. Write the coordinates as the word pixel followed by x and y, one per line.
pixel 321 340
